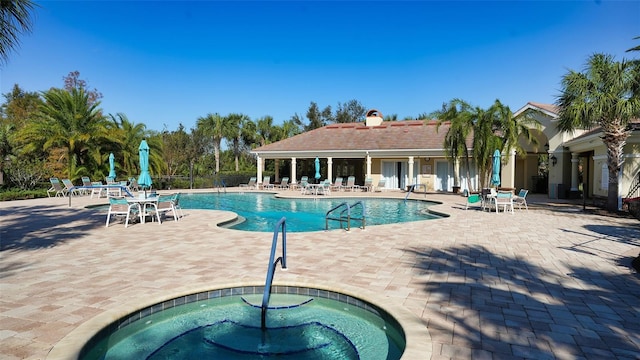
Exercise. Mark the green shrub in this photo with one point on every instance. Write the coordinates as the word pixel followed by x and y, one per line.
pixel 19 194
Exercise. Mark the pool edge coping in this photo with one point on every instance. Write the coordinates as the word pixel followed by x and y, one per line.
pixel 417 337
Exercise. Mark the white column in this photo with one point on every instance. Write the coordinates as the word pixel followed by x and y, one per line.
pixel 277 175
pixel 410 170
pixel 293 171
pixel 259 165
pixel 329 169
pixel 368 165
pixel 508 174
pixel 574 171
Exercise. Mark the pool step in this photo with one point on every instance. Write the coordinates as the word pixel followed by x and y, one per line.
pixel 309 340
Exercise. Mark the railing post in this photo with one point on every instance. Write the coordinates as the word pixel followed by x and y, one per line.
pixel 272 267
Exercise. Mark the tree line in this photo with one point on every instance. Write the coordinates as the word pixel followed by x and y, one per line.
pixel 63 132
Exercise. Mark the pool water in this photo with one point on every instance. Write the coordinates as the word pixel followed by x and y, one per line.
pixel 298 327
pixel 260 212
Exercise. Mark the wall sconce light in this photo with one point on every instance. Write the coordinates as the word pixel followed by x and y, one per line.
pixel 554 160
pixel 427 159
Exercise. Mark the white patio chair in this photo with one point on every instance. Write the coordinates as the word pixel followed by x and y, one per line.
pixel 120 206
pixel 164 205
pixel 504 199
pixel 521 199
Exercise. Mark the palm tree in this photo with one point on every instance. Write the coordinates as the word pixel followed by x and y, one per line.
pixel 458 114
pixel 493 128
pixel 512 129
pixel 14 19
pixel 5 146
pixel 234 129
pixel 289 129
pixel 66 120
pixel 265 130
pixel 129 136
pixel 605 95
pixel 212 125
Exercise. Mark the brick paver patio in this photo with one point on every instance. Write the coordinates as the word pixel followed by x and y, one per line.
pixel 550 283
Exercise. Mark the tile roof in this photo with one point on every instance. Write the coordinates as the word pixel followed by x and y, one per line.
pixel 548 107
pixel 390 135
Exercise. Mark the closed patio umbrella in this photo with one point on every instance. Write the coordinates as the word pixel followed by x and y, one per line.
pixel 317 161
pixel 495 175
pixel 112 167
pixel 144 180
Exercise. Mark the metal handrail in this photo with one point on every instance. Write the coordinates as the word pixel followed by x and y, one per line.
pixel 634 188
pixel 340 219
pixel 272 267
pixel 412 188
pixel 219 183
pixel 362 219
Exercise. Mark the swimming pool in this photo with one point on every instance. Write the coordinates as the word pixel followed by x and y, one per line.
pixel 261 211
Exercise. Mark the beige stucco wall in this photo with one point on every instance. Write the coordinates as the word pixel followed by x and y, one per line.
pixel 630 168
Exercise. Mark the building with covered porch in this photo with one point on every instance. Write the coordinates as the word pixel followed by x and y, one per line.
pixel 405 153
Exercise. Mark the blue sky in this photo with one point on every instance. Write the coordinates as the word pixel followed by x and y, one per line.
pixel 163 63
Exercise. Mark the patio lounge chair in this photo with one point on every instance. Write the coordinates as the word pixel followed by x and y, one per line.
pixel 325 187
pixel 381 185
pixel 266 183
pixel 251 184
pixel 304 181
pixel 284 183
pixel 351 184
pixel 368 185
pixel 521 199
pixel 120 206
pixel 69 187
pixel 86 184
pixel 56 188
pixel 337 184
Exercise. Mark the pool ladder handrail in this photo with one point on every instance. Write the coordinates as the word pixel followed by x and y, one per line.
pixel 219 183
pixel 282 223
pixel 412 188
pixel 341 218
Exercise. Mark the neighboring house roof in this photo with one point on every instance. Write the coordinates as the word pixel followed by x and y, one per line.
pixel 390 136
pixel 596 133
pixel 549 109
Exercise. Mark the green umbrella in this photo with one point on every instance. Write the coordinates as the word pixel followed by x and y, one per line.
pixel 144 180
pixel 317 163
pixel 112 167
pixel 495 176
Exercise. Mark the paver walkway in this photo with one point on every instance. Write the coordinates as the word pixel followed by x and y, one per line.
pixel 550 283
